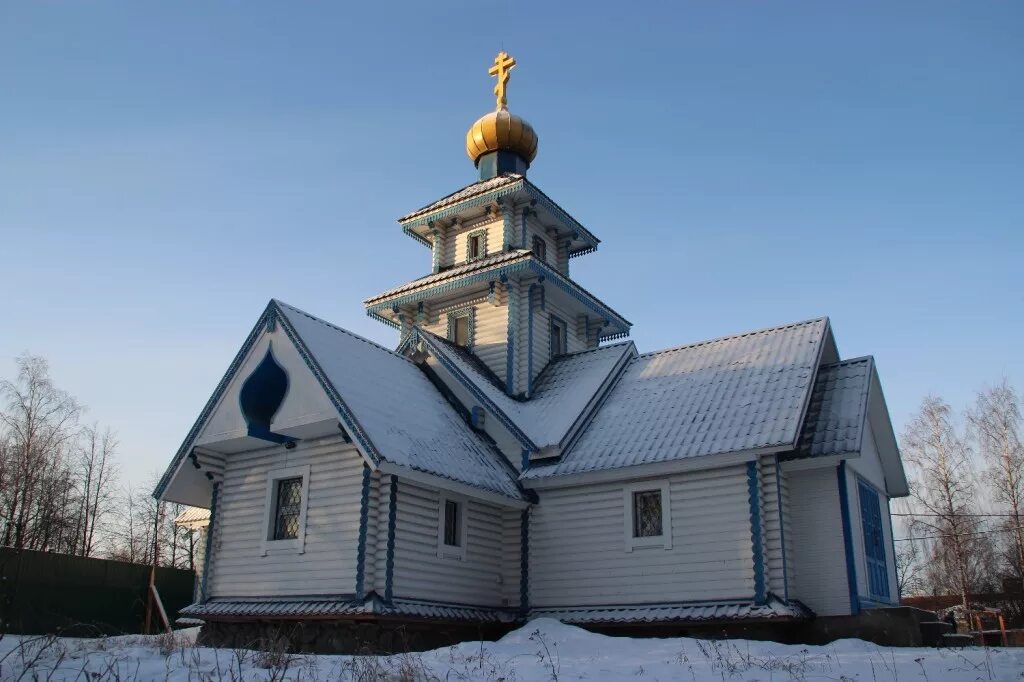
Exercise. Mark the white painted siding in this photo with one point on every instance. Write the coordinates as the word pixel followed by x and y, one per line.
pixel 328 566
pixel 577 544
pixel 772 524
pixel 420 574
pixel 818 565
pixel 869 467
pixel 453 243
pixel 490 325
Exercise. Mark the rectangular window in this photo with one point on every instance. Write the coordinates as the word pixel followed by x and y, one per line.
pixel 288 508
pixel 451 524
pixel 473 247
pixel 539 247
pixel 874 541
pixel 646 513
pixel 451 527
pixel 558 339
pixel 460 330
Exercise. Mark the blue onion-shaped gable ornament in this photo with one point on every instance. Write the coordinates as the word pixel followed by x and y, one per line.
pixel 262 394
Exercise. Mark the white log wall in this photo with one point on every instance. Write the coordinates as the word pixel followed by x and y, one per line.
pixel 776 524
pixel 577 544
pixel 453 242
pixel 490 325
pixel 818 567
pixel 328 566
pixel 483 577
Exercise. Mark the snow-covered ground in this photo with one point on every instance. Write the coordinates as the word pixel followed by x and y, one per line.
pixel 541 650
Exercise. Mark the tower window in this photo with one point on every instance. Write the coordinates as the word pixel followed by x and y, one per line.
pixel 460 327
pixel 558 340
pixel 539 248
pixel 452 536
pixel 476 245
pixel 451 527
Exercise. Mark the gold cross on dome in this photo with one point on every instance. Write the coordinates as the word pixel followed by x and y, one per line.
pixel 503 65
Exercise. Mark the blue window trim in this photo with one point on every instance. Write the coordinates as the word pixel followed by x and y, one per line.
pixel 877 598
pixel 757 548
pixel 482 234
pixel 468 312
pixel 844 509
pixel 389 564
pixel 214 498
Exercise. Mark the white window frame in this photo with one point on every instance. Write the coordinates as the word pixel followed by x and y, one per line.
pixel 298 544
pixel 448 551
pixel 665 539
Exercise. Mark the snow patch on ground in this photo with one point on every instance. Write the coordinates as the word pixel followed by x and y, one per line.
pixel 543 649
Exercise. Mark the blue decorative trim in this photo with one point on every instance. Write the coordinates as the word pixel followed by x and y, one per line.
pixel 528 263
pixel 407 229
pixel 470 314
pixel 492 294
pixel 364 514
pixel 506 225
pixel 347 418
pixel 456 372
pixel 214 498
pixel 879 496
pixel 482 252
pixel 476 417
pixel 389 564
pixel 844 509
pixel 760 595
pixel 524 225
pixel 782 528
pixel 459 206
pixel 386 320
pixel 524 561
pixel 525 459
pixel 510 344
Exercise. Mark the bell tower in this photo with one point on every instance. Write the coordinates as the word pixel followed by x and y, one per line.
pixel 499 285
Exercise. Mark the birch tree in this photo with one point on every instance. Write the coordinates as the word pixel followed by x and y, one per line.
pixel 995 422
pixel 97 472
pixel 39 423
pixel 945 491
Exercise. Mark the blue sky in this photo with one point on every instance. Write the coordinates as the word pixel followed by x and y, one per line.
pixel 166 168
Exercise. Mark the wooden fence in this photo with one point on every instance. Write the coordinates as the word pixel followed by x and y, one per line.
pixel 41 592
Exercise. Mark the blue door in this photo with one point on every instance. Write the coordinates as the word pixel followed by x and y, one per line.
pixel 874 541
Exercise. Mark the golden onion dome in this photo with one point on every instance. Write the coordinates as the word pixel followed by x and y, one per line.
pixel 501 131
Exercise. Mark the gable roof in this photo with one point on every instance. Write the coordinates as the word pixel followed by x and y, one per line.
pixel 389 407
pixel 563 391
pixel 737 393
pixel 838 409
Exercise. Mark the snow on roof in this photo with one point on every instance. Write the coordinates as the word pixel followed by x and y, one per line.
pixel 467 192
pixel 838 409
pixel 561 394
pixel 407 420
pixel 730 394
pixel 458 271
pixel 193 517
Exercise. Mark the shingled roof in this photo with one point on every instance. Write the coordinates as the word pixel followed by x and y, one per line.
pixel 731 394
pixel 563 391
pixel 838 409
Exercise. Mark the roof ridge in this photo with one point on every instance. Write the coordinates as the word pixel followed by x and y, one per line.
pixel 730 337
pixel 511 177
pixel 849 361
pixel 335 327
pixel 574 354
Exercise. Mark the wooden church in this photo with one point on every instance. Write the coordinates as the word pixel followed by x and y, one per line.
pixel 514 457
